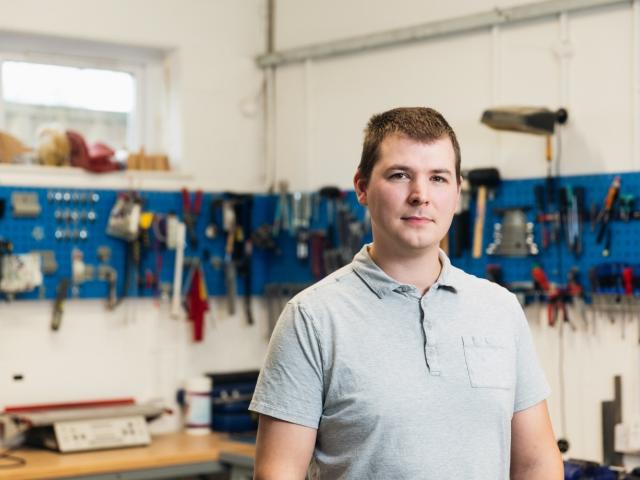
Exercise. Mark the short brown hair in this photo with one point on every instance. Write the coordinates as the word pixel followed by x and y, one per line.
pixel 417 123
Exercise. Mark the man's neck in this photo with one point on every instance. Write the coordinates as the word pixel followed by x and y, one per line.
pixel 422 270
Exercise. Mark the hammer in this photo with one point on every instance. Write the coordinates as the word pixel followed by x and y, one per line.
pixel 482 179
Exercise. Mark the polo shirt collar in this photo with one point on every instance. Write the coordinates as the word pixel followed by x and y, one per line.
pixel 382 284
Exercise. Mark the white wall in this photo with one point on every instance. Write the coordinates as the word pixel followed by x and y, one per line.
pixel 581 365
pixel 212 45
pixel 323 106
pixel 138 350
pixel 326 103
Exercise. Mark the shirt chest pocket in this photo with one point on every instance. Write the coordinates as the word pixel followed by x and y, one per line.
pixel 490 361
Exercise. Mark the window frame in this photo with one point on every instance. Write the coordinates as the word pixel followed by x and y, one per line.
pixel 135 134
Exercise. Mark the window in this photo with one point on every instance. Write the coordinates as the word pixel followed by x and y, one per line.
pixel 100 104
pixel 117 94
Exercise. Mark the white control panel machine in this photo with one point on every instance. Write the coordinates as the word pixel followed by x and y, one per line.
pixel 83 429
pixel 101 433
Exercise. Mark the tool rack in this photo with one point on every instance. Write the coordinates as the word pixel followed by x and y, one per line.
pixel 58 207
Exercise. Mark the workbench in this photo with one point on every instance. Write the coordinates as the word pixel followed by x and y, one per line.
pixel 168 456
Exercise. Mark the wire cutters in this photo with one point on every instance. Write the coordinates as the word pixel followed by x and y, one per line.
pixel 191 214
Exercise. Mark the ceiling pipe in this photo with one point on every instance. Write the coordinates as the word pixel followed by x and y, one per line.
pixel 462 24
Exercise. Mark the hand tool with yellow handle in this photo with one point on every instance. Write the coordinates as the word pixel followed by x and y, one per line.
pixel 482 179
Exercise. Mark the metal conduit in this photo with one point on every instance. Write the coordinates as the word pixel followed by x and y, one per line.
pixel 429 30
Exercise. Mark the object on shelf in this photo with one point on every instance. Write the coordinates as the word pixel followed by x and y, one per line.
pixel 54 148
pixel 11 148
pixel 143 161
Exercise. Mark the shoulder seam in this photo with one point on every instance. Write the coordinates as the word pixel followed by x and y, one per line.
pixel 315 334
pixel 325 282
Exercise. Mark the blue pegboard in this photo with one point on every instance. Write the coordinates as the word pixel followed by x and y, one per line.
pixel 286 268
pixel 268 267
pixel 557 260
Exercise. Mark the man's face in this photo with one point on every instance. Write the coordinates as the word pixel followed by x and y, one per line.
pixel 412 194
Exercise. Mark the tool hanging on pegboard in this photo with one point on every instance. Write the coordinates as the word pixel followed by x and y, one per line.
pixel 237 224
pixel 124 223
pixel 190 213
pixel 20 273
pixel 124 219
pixel 571 217
pixel 196 300
pixel 484 181
pixel 58 304
pixel 335 227
pixel 461 224
pixel 514 236
pixel 604 216
pixel 243 247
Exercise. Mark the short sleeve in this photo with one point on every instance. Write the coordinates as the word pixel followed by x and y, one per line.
pixel 290 384
pixel 531 384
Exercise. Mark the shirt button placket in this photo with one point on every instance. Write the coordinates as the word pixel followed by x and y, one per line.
pixel 430 348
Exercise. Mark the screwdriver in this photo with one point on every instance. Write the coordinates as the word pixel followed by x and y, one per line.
pixel 605 214
pixel 538 191
pixel 61 294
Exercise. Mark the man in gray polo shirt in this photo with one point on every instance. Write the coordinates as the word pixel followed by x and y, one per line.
pixel 400 365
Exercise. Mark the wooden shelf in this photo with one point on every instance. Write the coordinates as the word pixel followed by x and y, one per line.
pixel 55 177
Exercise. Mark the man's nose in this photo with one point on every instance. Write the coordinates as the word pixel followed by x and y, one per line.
pixel 419 193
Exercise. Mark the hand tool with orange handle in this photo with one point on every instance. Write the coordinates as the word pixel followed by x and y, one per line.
pixel 605 213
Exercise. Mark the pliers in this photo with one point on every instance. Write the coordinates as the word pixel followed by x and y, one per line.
pixel 191 214
pixel 557 305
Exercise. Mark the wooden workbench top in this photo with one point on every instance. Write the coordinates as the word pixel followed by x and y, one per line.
pixel 164 450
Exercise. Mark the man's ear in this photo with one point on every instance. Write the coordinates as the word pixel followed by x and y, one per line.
pixel 360 186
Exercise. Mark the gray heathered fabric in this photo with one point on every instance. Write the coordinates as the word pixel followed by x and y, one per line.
pixel 395 393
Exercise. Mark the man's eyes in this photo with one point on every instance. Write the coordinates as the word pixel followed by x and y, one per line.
pixel 399 175
pixel 405 175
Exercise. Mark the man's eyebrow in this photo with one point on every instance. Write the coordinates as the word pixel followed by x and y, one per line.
pixel 398 166
pixel 442 171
